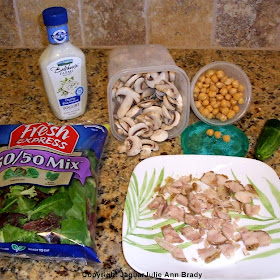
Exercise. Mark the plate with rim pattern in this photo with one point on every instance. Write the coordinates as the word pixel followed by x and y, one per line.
pixel 145 256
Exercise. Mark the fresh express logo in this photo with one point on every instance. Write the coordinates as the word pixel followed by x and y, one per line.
pixel 59 138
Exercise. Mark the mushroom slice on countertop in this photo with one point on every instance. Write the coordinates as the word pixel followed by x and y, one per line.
pixel 159 135
pixel 133 145
pixel 131 80
pixel 140 85
pixel 147 147
pixel 130 96
pixel 138 129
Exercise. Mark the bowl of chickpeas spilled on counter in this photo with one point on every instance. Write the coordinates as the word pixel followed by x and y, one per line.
pixel 220 93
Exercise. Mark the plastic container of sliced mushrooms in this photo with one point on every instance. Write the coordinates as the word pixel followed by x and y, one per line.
pixel 148 95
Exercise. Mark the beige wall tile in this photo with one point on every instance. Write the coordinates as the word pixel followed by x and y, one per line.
pixel 113 22
pixel 181 24
pixel 9 32
pixel 247 23
pixel 33 29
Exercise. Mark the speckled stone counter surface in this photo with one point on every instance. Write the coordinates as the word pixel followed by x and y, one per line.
pixel 22 100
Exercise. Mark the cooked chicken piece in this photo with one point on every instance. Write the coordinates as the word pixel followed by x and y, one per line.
pixel 215 237
pixel 196 187
pixel 197 202
pixel 216 223
pixel 245 196
pixel 251 210
pixel 227 250
pixel 170 234
pixel 156 202
pixel 236 206
pixel 221 213
pixel 173 189
pixel 185 179
pixel 191 220
pixel 209 178
pixel 236 237
pixel 181 199
pixel 204 222
pixel 249 239
pixel 223 192
pixel 211 194
pixel 187 188
pixel 263 237
pixel 176 252
pixel 174 212
pixel 221 179
pixel 209 254
pixel 190 233
pixel 234 186
pixel 228 230
pixel 160 210
pixel 250 188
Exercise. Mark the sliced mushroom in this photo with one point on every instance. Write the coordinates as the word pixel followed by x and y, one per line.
pixel 159 135
pixel 124 79
pixel 152 79
pixel 169 89
pixel 130 96
pixel 138 129
pixel 131 80
pixel 147 93
pixel 133 145
pixel 124 124
pixel 147 147
pixel 154 118
pixel 140 85
pixel 133 111
pixel 153 109
pixel 167 104
pixel 171 76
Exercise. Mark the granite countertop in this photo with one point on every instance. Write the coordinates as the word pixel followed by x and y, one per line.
pixel 22 100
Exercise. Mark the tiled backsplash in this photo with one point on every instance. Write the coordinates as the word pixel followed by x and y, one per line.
pixel 249 24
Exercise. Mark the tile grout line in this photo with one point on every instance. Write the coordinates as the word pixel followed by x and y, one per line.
pixel 18 24
pixel 147 22
pixel 81 23
pixel 214 24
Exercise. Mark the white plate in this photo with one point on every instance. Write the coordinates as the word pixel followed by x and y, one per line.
pixel 146 257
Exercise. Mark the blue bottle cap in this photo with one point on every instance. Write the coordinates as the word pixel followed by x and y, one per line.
pixel 55 16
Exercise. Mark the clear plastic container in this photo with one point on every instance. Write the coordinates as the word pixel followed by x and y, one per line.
pixel 129 60
pixel 231 70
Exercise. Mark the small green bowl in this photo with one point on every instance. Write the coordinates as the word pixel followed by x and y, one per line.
pixel 194 140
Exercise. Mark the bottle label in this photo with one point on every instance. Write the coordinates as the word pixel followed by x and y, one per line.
pixel 58 34
pixel 65 75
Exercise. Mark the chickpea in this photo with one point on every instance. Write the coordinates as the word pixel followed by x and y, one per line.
pixel 210 132
pixel 203 90
pixel 224 110
pixel 199 84
pixel 223 118
pixel 226 138
pixel 219 97
pixel 209 73
pixel 236 108
pixel 237 96
pixel 210 116
pixel 209 108
pixel 215 111
pixel 219 85
pixel 205 112
pixel 202 78
pixel 228 97
pixel 206 85
pixel 241 101
pixel 223 103
pixel 233 91
pixel 228 104
pixel 205 102
pixel 230 114
pixel 208 81
pixel 228 81
pixel 201 110
pixel 223 91
pixel 235 84
pixel 202 96
pixel 196 89
pixel 217 134
pixel 218 116
pixel 214 78
pixel 224 79
pixel 233 101
pixel 220 74
pixel 240 88
pixel 212 94
pixel 197 104
pixel 229 87
pixel 214 88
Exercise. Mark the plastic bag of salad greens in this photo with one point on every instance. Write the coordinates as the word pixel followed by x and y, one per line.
pixel 48 182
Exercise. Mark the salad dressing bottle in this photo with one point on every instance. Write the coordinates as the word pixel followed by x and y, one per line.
pixel 63 68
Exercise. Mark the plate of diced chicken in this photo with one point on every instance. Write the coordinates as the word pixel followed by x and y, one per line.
pixel 202 216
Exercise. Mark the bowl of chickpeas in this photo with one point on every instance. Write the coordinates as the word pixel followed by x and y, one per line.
pixel 220 93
